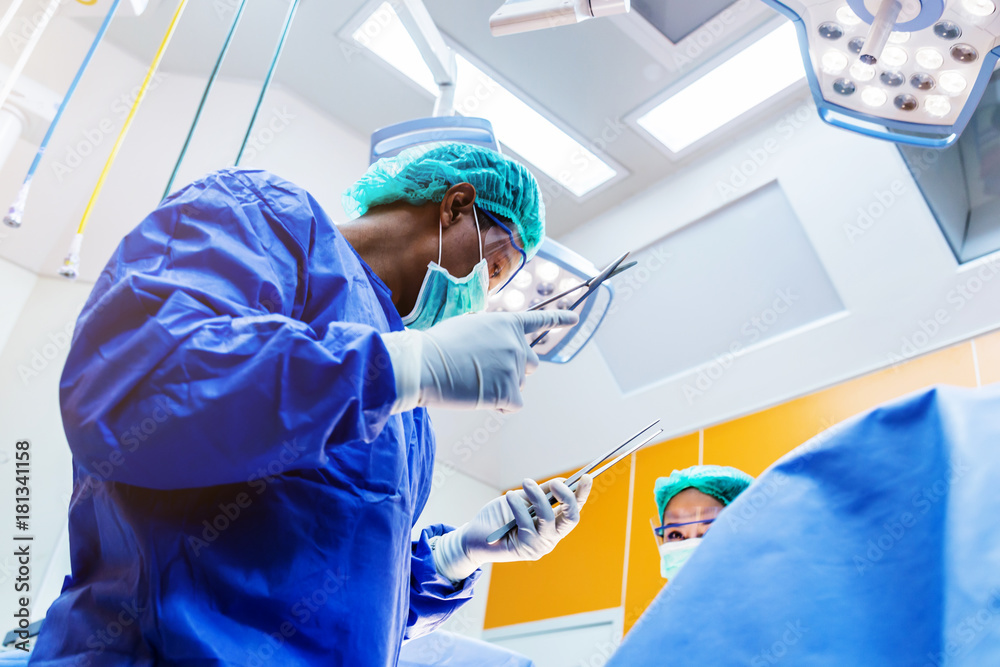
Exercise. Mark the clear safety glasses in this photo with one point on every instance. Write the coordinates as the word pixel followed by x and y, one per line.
pixel 678 526
pixel 502 252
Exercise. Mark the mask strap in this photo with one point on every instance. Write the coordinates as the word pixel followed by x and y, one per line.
pixel 440 242
pixel 475 217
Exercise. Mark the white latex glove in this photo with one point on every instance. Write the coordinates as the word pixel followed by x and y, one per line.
pixel 468 362
pixel 463 551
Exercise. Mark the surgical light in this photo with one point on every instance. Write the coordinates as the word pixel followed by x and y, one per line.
pixel 862 72
pixel 873 97
pixel 892 79
pixel 834 62
pixel 937 105
pixel 893 56
pixel 522 280
pixel 557 265
pixel 930 58
pixel 513 299
pixel 898 47
pixel 546 271
pixel 952 82
pixel 847 16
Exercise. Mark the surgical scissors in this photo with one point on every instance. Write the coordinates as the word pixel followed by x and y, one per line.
pixel 497 534
pixel 586 283
pixel 592 286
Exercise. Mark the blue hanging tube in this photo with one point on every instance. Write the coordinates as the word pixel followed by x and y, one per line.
pixel 15 213
pixel 204 96
pixel 270 74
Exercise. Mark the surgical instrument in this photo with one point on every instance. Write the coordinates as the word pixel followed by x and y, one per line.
pixel 496 535
pixel 621 269
pixel 594 284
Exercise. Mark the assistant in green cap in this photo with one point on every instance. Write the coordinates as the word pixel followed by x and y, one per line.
pixel 723 483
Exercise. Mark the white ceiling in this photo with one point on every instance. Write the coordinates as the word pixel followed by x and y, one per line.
pixel 593 74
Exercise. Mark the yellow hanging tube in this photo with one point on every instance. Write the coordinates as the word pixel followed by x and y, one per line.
pixel 71 265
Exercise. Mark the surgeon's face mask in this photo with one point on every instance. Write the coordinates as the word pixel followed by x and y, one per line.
pixel 673 555
pixel 442 295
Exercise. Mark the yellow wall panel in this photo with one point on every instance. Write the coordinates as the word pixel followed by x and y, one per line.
pixel 754 442
pixel 988 353
pixel 644 581
pixel 583 573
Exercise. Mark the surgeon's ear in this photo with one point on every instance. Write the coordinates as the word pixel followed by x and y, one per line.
pixel 457 202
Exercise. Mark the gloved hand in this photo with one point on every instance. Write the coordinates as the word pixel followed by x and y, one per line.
pixel 471 362
pixel 463 551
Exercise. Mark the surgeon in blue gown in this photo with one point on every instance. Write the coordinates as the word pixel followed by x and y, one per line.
pixel 247 417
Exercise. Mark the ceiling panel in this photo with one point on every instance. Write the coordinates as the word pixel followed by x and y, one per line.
pixel 747 273
pixel 586 77
pixel 677 19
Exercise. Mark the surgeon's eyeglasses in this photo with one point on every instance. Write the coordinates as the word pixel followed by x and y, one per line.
pixel 679 526
pixel 502 252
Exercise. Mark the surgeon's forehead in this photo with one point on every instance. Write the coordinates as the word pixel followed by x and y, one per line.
pixel 690 500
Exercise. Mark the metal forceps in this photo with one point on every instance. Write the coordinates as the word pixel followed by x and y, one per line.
pixel 591 285
pixel 618 455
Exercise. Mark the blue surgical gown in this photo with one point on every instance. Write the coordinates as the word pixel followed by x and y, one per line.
pixel 875 543
pixel 242 494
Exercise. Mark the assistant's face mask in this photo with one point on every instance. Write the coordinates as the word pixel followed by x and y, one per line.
pixel 442 295
pixel 673 555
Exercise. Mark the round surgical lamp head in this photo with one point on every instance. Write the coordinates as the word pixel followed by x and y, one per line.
pixel 918 68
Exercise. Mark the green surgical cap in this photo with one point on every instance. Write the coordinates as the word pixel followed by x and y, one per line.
pixel 721 482
pixel 424 173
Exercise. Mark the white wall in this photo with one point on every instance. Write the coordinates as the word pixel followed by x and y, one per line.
pixel 30 365
pixel 17 285
pixel 292 139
